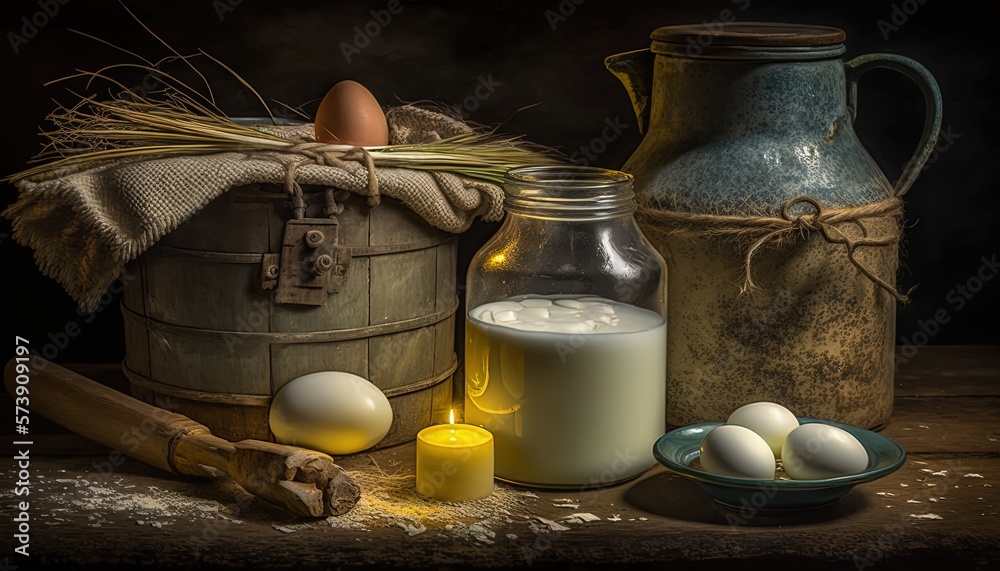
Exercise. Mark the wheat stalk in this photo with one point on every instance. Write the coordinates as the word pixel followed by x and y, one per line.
pixel 182 121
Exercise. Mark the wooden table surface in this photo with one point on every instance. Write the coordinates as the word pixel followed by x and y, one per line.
pixel 91 510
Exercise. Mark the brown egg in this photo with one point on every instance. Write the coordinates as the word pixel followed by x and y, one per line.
pixel 350 115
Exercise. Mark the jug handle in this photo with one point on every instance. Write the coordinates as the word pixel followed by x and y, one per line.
pixel 932 103
pixel 635 70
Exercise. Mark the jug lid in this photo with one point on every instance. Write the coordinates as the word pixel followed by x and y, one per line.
pixel 749 40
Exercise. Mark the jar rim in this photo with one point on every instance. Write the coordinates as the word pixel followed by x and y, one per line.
pixel 568 191
pixel 572 176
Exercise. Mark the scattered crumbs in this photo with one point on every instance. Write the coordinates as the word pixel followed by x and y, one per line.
pixel 902 485
pixel 930 484
pixel 284 528
pixel 928 470
pixel 563 500
pixel 543 525
pixel 926 516
pixel 932 499
pixel 981 499
pixel 582 517
pixel 913 501
pixel 972 475
pixel 940 497
pixel 482 533
pixel 631 519
pixel 885 494
pixel 570 506
pixel 919 462
pixel 923 426
pixel 236 521
pixel 987 485
pixel 643 519
pixel 615 517
pixel 907 429
pixel 940 473
pixel 990 438
pixel 888 506
pixel 411 526
pixel 512 536
pixel 529 494
pixel 156 524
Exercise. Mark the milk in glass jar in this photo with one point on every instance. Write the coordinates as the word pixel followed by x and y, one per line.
pixel 565 335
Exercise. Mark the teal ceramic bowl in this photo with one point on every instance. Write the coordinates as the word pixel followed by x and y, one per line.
pixel 679 448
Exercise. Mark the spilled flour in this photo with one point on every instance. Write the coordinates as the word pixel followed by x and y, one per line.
pixel 392 500
pixel 386 501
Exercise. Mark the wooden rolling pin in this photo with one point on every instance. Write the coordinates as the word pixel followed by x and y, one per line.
pixel 302 481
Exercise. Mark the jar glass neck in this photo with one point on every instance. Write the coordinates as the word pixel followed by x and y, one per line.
pixel 568 193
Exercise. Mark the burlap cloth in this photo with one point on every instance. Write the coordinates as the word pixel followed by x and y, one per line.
pixel 85 225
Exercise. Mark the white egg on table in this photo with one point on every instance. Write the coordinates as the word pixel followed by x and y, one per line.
pixel 731 450
pixel 770 421
pixel 330 411
pixel 819 451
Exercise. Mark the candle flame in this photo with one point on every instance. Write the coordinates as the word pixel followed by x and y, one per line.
pixel 451 416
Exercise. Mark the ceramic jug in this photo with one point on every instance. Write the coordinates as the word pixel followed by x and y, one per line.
pixel 751 126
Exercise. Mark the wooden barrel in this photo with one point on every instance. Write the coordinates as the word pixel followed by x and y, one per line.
pixel 215 322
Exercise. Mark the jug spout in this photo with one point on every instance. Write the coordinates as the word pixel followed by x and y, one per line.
pixel 635 71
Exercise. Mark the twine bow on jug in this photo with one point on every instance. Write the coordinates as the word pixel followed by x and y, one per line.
pixel 762 231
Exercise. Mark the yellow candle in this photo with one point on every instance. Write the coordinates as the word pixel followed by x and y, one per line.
pixel 454 462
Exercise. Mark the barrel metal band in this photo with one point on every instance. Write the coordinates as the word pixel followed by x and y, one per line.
pixel 140 380
pixel 291 337
pixel 254 258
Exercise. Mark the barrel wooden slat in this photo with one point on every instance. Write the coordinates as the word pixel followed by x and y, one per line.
pixel 207 295
pixel 136 336
pixel 413 293
pixel 292 360
pixel 225 225
pixel 396 360
pixel 203 334
pixel 412 412
pixel 395 225
pixel 447 261
pixel 444 344
pixel 211 366
pixel 442 401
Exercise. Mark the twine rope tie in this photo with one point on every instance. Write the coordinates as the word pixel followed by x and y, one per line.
pixel 764 230
pixel 324 154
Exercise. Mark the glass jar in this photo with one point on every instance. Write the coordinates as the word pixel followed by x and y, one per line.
pixel 565 336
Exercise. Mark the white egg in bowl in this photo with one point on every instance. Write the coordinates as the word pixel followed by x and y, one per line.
pixel 330 411
pixel 679 450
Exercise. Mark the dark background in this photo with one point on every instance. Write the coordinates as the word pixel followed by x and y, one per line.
pixel 291 52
